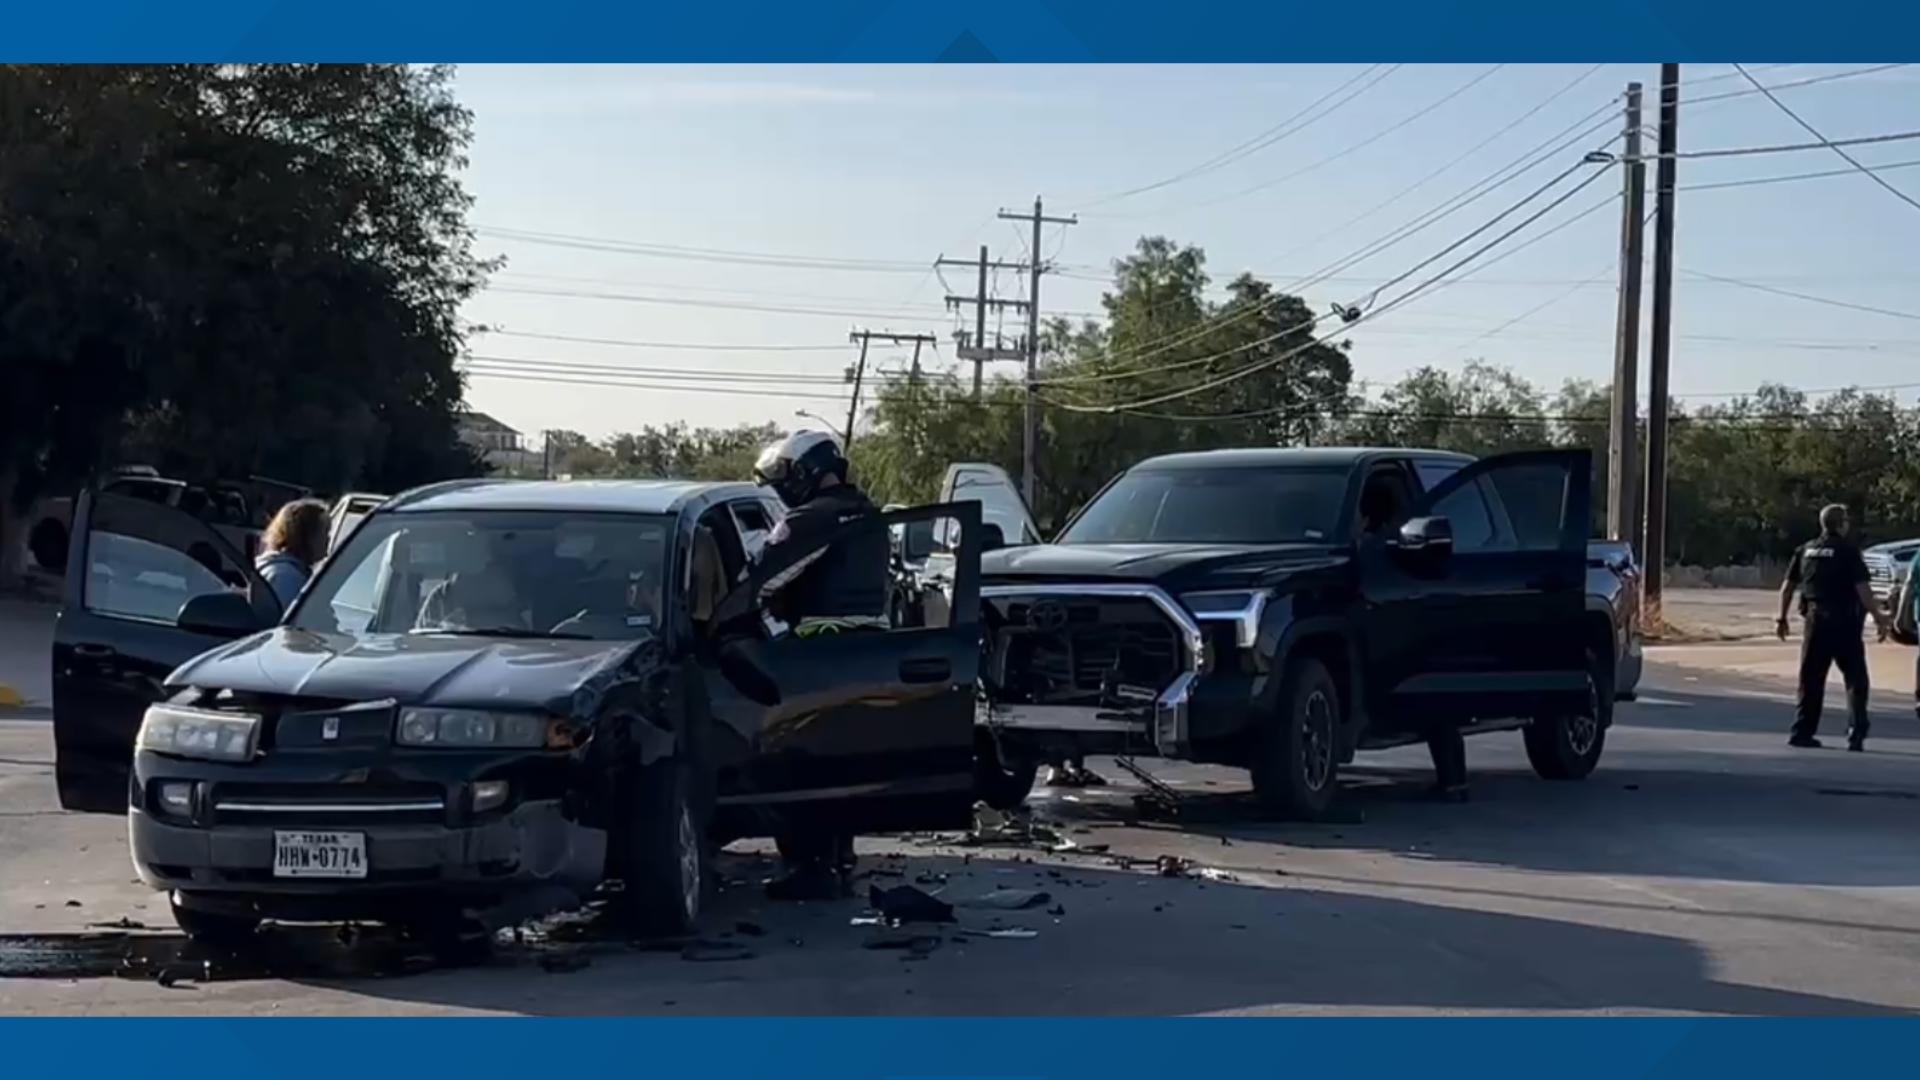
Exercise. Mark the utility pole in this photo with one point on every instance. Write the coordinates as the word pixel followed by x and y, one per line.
pixel 858 374
pixel 1655 556
pixel 1623 504
pixel 1031 429
pixel 546 454
pixel 977 349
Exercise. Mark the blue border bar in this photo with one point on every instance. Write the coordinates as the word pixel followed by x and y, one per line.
pixel 761 31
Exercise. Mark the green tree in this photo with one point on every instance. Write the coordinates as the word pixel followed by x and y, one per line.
pixel 228 269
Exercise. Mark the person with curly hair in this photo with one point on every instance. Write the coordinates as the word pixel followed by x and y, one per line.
pixel 294 543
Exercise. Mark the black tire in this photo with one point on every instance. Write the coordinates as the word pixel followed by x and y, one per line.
pixel 1296 760
pixel 664 858
pixel 1568 747
pixel 48 543
pixel 211 927
pixel 1003 785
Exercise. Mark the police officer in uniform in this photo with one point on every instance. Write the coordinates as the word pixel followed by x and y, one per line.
pixel 841 588
pixel 1831 578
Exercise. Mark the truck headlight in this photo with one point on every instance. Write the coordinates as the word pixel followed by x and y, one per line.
pixel 199 733
pixel 469 729
pixel 1241 607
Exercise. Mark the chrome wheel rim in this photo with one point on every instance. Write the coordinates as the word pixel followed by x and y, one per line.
pixel 688 839
pixel 1316 740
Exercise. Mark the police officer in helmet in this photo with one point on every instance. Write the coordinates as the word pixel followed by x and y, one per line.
pixel 840 588
pixel 1832 579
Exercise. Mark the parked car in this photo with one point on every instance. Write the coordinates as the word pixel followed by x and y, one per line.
pixel 1888 565
pixel 493 693
pixel 348 511
pixel 1279 610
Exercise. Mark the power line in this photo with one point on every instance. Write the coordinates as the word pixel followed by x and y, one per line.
pixel 1740 72
pixel 1464 155
pixel 1830 144
pixel 517 375
pixel 1788 148
pixel 1352 149
pixel 722 255
pixel 1829 301
pixel 1758 180
pixel 1259 142
pixel 1365 316
pixel 671 374
pixel 631 298
pixel 675 345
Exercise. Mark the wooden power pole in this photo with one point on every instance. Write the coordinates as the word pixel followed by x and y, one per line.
pixel 858 376
pixel 977 349
pixel 1030 430
pixel 1660 352
pixel 1623 502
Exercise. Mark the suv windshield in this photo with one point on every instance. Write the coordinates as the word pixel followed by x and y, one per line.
pixel 507 573
pixel 1214 506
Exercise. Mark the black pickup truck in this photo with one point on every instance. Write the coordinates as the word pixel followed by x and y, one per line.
pixel 1280 609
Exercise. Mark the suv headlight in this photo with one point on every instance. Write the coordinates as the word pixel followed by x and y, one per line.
pixel 1241 607
pixel 199 733
pixel 466 729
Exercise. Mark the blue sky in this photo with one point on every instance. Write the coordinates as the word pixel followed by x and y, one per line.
pixel 893 165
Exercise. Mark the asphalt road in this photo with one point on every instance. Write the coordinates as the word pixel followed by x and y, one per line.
pixel 1705 868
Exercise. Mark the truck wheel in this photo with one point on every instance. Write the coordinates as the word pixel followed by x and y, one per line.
pixel 664 851
pixel 1568 747
pixel 212 927
pixel 1003 785
pixel 48 543
pixel 1295 762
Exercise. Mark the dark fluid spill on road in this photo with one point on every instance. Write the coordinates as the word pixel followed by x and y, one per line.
pixel 279 952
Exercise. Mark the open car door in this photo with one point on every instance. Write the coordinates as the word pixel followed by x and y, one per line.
pixel 863 730
pixel 1476 608
pixel 349 511
pixel 133 566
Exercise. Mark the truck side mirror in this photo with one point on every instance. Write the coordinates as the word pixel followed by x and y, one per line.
pixel 218 614
pixel 992 538
pixel 1433 535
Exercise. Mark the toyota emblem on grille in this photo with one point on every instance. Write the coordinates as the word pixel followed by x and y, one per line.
pixel 1047 615
pixel 330 728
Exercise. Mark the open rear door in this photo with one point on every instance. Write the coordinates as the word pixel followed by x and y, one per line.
pixel 132 565
pixel 868 730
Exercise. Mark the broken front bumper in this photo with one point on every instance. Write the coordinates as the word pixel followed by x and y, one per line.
pixel 1162 726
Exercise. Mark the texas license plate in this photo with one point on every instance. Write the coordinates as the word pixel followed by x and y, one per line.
pixel 320 854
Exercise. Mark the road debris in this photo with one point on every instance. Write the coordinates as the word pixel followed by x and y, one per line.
pixel 906 904
pixel 1007 899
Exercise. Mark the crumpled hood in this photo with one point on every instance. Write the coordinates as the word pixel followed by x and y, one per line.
pixel 1183 566
pixel 415 669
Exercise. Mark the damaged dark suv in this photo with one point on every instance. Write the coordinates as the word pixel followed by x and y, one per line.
pixel 493 695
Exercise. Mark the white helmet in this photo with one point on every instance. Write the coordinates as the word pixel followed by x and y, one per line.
pixel 794 466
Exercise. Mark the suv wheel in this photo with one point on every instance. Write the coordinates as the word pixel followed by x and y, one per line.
pixel 212 927
pixel 1001 784
pixel 664 851
pixel 1296 762
pixel 1568 747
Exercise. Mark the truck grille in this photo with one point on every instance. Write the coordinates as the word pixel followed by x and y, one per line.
pixel 1081 650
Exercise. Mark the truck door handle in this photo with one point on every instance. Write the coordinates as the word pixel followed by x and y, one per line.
pixel 94 652
pixel 926 670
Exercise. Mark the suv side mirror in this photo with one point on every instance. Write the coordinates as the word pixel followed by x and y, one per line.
pixel 218 614
pixel 1428 534
pixel 916 541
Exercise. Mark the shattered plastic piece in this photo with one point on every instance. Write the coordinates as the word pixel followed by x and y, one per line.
pixel 866 920
pixel 1214 874
pixel 1015 933
pixel 1005 899
pixel 1173 866
pixel 911 942
pixel 905 903
pixel 1057 910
